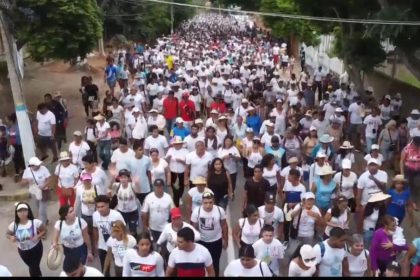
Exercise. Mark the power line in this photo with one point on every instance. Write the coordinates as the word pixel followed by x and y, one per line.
pixel 281 15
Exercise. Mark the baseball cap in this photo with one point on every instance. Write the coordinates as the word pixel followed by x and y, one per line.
pixel 35 161
pixel 308 195
pixel 293 160
pixel 158 182
pixel 308 255
pixel 77 133
pixel 179 120
pixel 374 147
pixel 346 164
pixel 85 176
pixel 269 198
pixel 374 161
pixel 175 213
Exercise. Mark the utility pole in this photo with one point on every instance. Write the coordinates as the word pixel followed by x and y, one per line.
pixel 15 77
pixel 172 17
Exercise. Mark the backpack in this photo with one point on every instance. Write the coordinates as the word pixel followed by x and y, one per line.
pixel 243 224
pixel 261 270
pixel 16 226
pixel 218 208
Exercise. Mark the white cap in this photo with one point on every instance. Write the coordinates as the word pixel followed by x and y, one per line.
pixel 270 124
pixel 346 163
pixel 338 110
pixel 249 129
pixel 4 272
pixel 308 255
pixel 35 161
pixel 374 147
pixel 388 97
pixel 244 100
pixel 373 160
pixel 308 195
pixel 312 128
pixel 415 112
pixel 77 133
pixel 153 111
pixel 198 121
pixel 135 110
pixel 369 88
pixel 179 120
pixel 321 155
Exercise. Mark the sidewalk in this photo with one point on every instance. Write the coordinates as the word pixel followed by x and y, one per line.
pixel 13 191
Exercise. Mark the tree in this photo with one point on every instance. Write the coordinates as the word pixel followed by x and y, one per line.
pixel 249 5
pixel 57 29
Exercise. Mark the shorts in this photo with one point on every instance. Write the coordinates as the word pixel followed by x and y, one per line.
pixel 111 83
pixel 284 64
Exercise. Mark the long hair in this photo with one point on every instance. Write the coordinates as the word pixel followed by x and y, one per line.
pixel 146 235
pixel 212 170
pixel 123 229
pixel 266 160
pixel 369 210
pixel 30 213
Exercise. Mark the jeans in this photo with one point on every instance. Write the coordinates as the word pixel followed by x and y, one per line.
pixel 44 143
pixel 233 179
pixel 18 160
pixel 104 147
pixel 369 143
pixel 180 191
pixel 81 251
pixel 102 257
pixel 42 208
pixel 132 221
pixel 32 258
pixel 169 124
pixel 367 237
pixel 215 249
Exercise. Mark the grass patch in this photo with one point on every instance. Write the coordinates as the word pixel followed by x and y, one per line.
pixel 408 78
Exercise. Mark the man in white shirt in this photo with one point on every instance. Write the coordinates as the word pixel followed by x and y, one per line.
pixel 157 141
pixel 197 163
pixel 122 156
pixel 356 122
pixel 156 210
pixel 73 267
pixel 192 139
pixel 78 149
pixel 272 215
pixel 45 130
pixel 318 76
pixel 210 221
pixel 372 124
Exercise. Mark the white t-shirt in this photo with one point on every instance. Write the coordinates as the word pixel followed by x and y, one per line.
pixel 190 142
pixel 271 175
pixel 250 233
pixel 126 198
pixel 380 158
pixel 158 209
pixel 169 235
pixel 71 236
pixel 369 186
pixel 45 121
pixel 274 218
pixel 369 222
pixel 307 223
pixel 39 176
pixel 372 126
pixel 358 264
pixel 119 249
pixel 236 269
pixel 103 224
pixel 174 165
pixel 199 165
pixel 67 175
pixel 121 159
pixel 269 253
pixel 209 222
pixel 160 143
pixel 230 163
pixel 136 266
pixel 331 264
pixel 341 220
pixel 356 113
pixel 286 171
pixel 89 272
pixel 24 233
pixel 101 131
pixel 99 179
pixel 197 196
pixel 158 171
pixel 296 270
pixel 78 152
pixel 87 199
pixel 347 184
pixel 200 255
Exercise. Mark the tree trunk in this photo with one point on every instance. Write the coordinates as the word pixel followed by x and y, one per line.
pixel 294 46
pixel 356 77
pixel 101 46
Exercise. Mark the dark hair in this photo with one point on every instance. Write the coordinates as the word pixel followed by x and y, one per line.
pixel 266 159
pixel 258 166
pixel 269 228
pixel 249 210
pixel 88 158
pixel 187 234
pixel 211 167
pixel 153 150
pixel 146 235
pixel 12 117
pixel 296 253
pixel 370 206
pixel 124 172
pixel 153 127
pixel 194 125
pixel 30 213
pixel 294 172
pixel 335 211
pixel 387 220
pixel 247 251
pixel 41 106
pixel 337 232
pixel 123 141
pixel 48 95
pixel 137 145
pixel 71 263
pixel 63 211
pixel 102 198
pixel 227 137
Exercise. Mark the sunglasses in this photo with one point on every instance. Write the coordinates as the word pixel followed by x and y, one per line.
pixel 309 260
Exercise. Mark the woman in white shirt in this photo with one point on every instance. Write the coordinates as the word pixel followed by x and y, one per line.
pixel 230 156
pixel 160 168
pixel 126 202
pixel 142 261
pixel 247 265
pixel 338 216
pixel 26 232
pixel 346 181
pixel 247 230
pixel 72 233
pixel 176 156
pixel 271 173
pixel 68 175
pixel 303 262
pixel 375 209
pixel 358 258
pixel 78 149
pixel 118 244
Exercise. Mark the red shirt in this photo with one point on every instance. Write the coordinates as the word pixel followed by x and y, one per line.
pixel 187 110
pixel 170 106
pixel 221 107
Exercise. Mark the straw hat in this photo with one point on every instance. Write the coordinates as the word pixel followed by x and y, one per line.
pixel 346 145
pixel 199 181
pixel 177 140
pixel 379 196
pixel 55 257
pixel 326 170
pixel 98 117
pixel 64 155
pixel 399 178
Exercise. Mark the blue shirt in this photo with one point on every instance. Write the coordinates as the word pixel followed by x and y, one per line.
pixel 181 132
pixel 254 122
pixel 278 154
pixel 398 202
pixel 323 193
pixel 139 168
pixel 111 72
pixel 416 259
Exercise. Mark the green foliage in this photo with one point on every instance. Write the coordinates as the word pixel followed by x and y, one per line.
pixel 246 5
pixel 301 29
pixel 58 29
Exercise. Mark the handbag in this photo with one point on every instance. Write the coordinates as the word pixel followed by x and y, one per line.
pixel 114 200
pixel 34 188
pixel 54 179
pixel 294 230
pixel 393 145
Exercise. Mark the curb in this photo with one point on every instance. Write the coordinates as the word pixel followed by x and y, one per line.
pixel 22 195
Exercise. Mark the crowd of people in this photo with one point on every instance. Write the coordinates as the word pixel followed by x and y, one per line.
pixel 147 183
